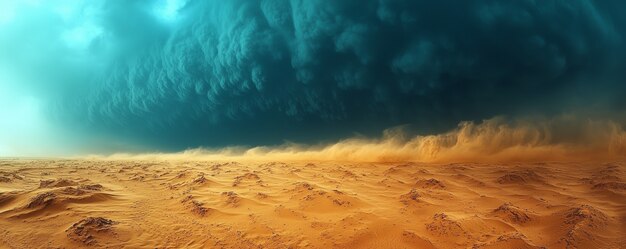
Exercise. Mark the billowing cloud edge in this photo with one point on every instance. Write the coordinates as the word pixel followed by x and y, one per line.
pixel 564 138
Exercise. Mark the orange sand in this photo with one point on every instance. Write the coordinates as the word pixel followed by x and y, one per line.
pixel 199 204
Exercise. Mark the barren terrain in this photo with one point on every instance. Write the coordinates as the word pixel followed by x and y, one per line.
pixel 200 204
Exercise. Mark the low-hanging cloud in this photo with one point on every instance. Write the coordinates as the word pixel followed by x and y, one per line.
pixel 171 75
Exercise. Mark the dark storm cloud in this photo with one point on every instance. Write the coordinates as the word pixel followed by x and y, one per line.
pixel 259 72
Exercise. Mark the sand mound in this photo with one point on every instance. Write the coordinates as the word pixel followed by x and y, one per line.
pixel 9 176
pixel 91 187
pixel 398 169
pixel 411 196
pixel 511 213
pixel 261 196
pixel 200 179
pixel 582 226
pixel 73 191
pixel 520 177
pixel 231 199
pixel 28 204
pixel 587 214
pixel 606 178
pixel 140 177
pixel 42 200
pixel 320 197
pixel 430 184
pixel 196 207
pixel 314 199
pixel 511 179
pixel 345 174
pixel 443 225
pixel 301 187
pixel 5 179
pixel 288 213
pixel 599 178
pixel 247 177
pixel 610 186
pixel 56 183
pixel 86 231
pixel 186 180
pixel 82 189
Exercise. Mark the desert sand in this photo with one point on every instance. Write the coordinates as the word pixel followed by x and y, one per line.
pixel 244 204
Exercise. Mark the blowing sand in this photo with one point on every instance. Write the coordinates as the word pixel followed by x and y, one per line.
pixel 199 204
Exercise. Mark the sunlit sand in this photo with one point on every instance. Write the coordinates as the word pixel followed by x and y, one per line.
pixel 204 204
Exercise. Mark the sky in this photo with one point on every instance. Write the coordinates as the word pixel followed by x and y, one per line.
pixel 99 77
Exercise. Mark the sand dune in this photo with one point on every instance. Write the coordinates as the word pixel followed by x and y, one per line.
pixel 203 204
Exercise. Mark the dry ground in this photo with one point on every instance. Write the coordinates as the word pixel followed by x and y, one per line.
pixel 174 204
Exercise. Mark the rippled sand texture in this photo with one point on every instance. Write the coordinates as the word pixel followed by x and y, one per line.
pixel 159 204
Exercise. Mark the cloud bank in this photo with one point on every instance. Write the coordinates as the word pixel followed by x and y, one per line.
pixel 176 74
pixel 561 139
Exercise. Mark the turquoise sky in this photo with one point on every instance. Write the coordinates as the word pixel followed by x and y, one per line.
pixel 80 77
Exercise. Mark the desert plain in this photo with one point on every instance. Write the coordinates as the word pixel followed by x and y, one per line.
pixel 54 203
